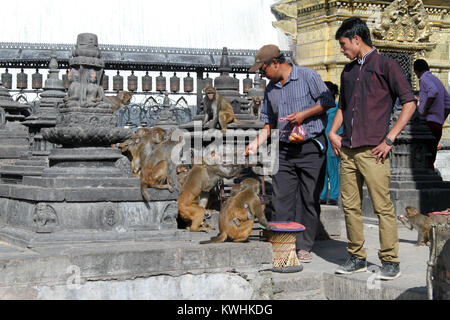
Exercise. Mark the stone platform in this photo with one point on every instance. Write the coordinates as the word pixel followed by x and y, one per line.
pixel 185 270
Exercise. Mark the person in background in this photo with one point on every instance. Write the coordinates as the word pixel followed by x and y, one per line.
pixel 330 189
pixel 434 103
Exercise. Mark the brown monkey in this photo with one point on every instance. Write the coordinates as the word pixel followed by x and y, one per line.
pixel 157 169
pixel 255 106
pixel 414 220
pixel 139 146
pixel 197 185
pixel 122 98
pixel 217 109
pixel 238 213
pixel 182 173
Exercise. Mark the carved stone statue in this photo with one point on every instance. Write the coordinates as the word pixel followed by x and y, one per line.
pixel 73 97
pixel 404 21
pixel 95 96
pixel 85 117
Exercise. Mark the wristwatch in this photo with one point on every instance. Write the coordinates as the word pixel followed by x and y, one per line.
pixel 389 142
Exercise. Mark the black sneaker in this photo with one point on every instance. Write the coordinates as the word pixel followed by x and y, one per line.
pixel 389 270
pixel 352 265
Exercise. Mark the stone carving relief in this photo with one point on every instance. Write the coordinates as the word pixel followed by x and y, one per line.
pixel 109 217
pixel 169 214
pixel 44 218
pixel 404 21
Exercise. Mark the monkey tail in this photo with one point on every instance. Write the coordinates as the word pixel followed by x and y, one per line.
pixel 220 238
pixel 144 192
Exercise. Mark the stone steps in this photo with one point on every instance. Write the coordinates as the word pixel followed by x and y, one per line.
pixel 22 170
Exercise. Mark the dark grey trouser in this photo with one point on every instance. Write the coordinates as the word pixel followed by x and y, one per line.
pixel 297 186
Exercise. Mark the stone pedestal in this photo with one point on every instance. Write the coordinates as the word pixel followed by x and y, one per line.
pixel 84 195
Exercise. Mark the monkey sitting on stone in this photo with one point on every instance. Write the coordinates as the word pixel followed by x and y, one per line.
pixel 238 213
pixel 123 98
pixel 217 110
pixel 193 199
pixel 422 223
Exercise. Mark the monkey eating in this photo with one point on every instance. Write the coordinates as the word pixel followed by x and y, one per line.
pixel 238 213
pixel 198 183
pixel 123 98
pixel 422 223
pixel 217 110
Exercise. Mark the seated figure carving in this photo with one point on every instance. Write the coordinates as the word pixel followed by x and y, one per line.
pixel 95 95
pixel 73 97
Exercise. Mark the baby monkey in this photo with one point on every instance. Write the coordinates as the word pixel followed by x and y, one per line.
pixel 422 223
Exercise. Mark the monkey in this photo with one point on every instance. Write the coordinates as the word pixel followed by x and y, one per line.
pixel 140 145
pixel 238 213
pixel 198 183
pixel 157 169
pixel 182 173
pixel 422 223
pixel 255 106
pixel 123 98
pixel 217 109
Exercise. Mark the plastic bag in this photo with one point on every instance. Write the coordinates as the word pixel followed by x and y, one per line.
pixel 297 134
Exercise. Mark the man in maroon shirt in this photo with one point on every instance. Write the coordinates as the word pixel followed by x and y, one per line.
pixel 370 84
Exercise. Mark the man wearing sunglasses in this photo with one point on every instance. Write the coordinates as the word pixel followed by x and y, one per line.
pixel 295 95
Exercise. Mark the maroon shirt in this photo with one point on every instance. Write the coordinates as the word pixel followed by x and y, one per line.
pixel 367 96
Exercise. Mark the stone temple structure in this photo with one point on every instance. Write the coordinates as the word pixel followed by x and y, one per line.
pixel 83 195
pixel 44 116
pixel 13 134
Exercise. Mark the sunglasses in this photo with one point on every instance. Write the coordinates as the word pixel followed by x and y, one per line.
pixel 263 71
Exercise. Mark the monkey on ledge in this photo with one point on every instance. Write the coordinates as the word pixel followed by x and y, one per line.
pixel 217 109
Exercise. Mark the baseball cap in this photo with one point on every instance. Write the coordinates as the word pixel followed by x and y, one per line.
pixel 265 53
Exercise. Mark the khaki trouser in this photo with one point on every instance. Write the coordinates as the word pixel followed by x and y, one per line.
pixel 358 166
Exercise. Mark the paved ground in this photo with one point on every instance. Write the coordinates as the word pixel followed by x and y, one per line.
pixel 329 254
